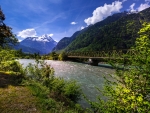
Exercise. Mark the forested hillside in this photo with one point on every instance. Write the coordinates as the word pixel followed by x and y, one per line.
pixel 64 42
pixel 111 33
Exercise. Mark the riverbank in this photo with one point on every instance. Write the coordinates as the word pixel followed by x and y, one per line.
pixel 15 98
pixel 33 97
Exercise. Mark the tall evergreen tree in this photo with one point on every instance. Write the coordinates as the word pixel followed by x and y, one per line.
pixel 6 35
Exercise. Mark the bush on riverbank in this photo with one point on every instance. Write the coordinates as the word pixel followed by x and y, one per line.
pixel 53 56
pixel 54 93
pixel 10 65
pixel 131 92
pixel 62 56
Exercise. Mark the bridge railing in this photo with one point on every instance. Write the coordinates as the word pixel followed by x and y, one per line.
pixel 104 54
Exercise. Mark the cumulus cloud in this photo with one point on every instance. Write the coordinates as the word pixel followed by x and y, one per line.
pixel 82 27
pixel 50 35
pixel 27 33
pixel 132 7
pixel 103 11
pixel 143 6
pixel 73 23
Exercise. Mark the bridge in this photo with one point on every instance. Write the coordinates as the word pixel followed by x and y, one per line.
pixel 96 56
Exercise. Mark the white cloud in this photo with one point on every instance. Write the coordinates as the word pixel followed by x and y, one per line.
pixel 124 0
pixel 147 0
pixel 103 11
pixel 50 35
pixel 143 6
pixel 132 8
pixel 82 27
pixel 19 40
pixel 27 33
pixel 56 41
pixel 73 23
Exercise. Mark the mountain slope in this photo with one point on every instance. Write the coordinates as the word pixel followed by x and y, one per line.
pixel 27 49
pixel 43 44
pixel 120 34
pixel 64 42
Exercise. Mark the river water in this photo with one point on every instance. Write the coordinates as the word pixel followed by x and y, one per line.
pixel 89 77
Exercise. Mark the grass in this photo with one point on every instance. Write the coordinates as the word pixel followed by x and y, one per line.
pixel 15 98
pixel 35 98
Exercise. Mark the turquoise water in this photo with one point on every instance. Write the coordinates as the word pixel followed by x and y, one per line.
pixel 86 75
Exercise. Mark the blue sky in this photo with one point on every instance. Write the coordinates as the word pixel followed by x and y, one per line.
pixel 61 18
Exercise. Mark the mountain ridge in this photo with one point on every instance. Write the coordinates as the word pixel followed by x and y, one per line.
pixel 42 44
pixel 64 42
pixel 119 34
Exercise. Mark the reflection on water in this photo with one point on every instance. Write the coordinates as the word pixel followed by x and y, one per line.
pixel 86 75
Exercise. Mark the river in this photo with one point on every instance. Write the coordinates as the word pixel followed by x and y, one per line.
pixel 89 77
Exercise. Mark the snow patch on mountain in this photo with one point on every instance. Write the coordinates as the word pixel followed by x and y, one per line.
pixel 42 43
pixel 43 38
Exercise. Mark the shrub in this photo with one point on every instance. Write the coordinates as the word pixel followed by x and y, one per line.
pixel 55 93
pixel 38 89
pixel 62 56
pixel 39 71
pixel 72 91
pixel 43 73
pixel 131 91
pixel 6 55
pixel 11 66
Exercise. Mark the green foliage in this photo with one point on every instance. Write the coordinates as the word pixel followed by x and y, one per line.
pixel 42 93
pixel 7 55
pixel 117 33
pixel 72 90
pixel 39 71
pixel 64 42
pixel 131 91
pixel 11 66
pixel 53 56
pixel 83 38
pixel 6 36
pixel 42 72
pixel 38 89
pixel 8 62
pixel 62 56
pixel 54 92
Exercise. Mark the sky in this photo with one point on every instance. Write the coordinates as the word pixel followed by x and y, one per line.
pixel 61 18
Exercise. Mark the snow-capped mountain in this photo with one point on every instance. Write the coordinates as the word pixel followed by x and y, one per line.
pixel 43 44
pixel 43 38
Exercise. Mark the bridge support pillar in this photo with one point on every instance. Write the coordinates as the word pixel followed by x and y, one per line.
pixel 93 62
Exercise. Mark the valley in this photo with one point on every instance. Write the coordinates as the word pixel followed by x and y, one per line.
pixel 101 63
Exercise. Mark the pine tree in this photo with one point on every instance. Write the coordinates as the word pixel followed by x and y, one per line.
pixel 6 35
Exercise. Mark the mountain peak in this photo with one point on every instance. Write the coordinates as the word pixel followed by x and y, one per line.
pixel 44 38
pixel 44 44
